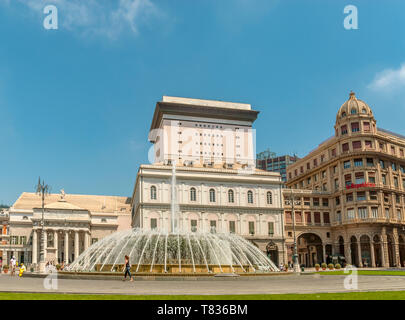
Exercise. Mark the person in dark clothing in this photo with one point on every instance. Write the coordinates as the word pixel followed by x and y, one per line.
pixel 127 268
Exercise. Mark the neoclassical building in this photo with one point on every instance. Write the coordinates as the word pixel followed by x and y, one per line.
pixel 72 223
pixel 349 194
pixel 217 185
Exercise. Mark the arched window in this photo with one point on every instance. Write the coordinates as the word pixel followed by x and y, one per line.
pixel 153 192
pixel 343 114
pixel 193 195
pixel 250 196
pixel 269 197
pixel 364 111
pixel 354 111
pixel 231 198
pixel 212 195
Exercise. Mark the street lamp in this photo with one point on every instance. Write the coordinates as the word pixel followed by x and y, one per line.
pixel 42 189
pixel 296 266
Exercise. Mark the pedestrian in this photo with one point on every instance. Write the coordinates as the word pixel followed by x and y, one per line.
pixel 13 263
pixel 22 269
pixel 127 268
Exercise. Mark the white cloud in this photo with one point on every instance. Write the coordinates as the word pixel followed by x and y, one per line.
pixel 389 80
pixel 107 18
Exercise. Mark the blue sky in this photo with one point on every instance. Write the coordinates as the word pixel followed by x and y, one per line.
pixel 76 103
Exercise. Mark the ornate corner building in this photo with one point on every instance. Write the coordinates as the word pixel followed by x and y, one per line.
pixel 347 196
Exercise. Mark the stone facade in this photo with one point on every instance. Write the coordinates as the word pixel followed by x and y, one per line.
pixel 359 174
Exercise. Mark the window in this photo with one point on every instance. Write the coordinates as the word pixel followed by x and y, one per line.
pixel 334 153
pixel 354 111
pixel 363 214
pixel 356 145
pixel 251 228
pixel 373 195
pixel 346 164
pixel 212 195
pixel 307 202
pixel 345 147
pixel 213 226
pixel 355 127
pixel 394 166
pixel 334 169
pixel 325 202
pixel 402 169
pixel 193 194
pixel 384 179
pixel 153 223
pixel 382 164
pixel 336 184
pixel 358 162
pixel 396 182
pixel 270 228
pixel 231 197
pixel 323 174
pixel 361 196
pixel 308 166
pixel 250 196
pixel 326 217
pixel 368 144
pixel 371 177
pixel 23 239
pixel 315 202
pixel 359 177
pixel 315 162
pixel 348 179
pixel 392 150
pixel 343 129
pixel 337 201
pixel 309 181
pixel 232 227
pixel 317 217
pixel 308 217
pixel 399 214
pixel 193 224
pixel 153 192
pixel 349 197
pixel 370 162
pixel 269 197
pixel 350 214
pixel 366 126
pixel 374 212
pixel 387 213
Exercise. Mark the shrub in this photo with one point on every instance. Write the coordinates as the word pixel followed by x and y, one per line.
pixel 6 267
pixel 330 266
pixel 337 266
pixel 323 265
pixel 317 266
pixel 58 266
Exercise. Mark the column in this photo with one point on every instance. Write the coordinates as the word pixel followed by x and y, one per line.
pixel 359 254
pixel 66 257
pixel 86 240
pixel 348 253
pixel 76 244
pixel 56 245
pixel 396 248
pixel 324 253
pixel 372 253
pixel 34 246
pixel 384 246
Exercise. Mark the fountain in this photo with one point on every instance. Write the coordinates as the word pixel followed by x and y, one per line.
pixel 177 251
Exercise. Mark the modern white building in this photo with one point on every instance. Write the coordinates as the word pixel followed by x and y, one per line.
pixel 217 185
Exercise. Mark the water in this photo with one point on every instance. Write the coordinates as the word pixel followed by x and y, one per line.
pixel 182 252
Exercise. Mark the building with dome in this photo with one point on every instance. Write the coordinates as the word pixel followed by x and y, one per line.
pixel 347 196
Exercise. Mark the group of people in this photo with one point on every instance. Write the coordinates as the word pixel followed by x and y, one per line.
pixel 14 265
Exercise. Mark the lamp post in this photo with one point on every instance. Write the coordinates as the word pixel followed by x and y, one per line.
pixel 296 266
pixel 42 190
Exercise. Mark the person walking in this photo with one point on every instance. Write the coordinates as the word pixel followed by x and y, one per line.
pixel 127 268
pixel 13 263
